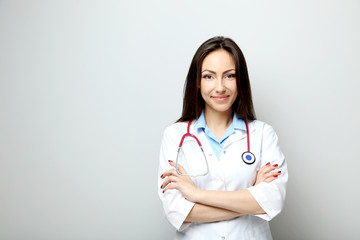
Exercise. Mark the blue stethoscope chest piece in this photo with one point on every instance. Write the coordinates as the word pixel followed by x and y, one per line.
pixel 248 157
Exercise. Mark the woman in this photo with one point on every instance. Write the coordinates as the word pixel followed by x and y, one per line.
pixel 236 196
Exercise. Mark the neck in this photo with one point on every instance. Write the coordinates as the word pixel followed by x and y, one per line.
pixel 218 120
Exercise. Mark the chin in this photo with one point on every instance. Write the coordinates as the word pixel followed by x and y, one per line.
pixel 222 109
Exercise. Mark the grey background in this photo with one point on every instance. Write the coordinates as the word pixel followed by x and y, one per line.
pixel 86 88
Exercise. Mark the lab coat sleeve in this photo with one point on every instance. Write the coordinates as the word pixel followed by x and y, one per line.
pixel 176 207
pixel 271 196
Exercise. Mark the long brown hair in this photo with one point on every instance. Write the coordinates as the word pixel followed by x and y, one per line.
pixel 193 103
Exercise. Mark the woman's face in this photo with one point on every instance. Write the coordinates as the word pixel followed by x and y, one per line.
pixel 218 81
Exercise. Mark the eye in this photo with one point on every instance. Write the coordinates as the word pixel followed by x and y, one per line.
pixel 207 76
pixel 230 76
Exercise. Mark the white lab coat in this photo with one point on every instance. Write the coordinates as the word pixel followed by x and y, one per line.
pixel 229 173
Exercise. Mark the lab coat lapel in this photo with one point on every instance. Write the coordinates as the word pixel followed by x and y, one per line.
pixel 238 135
pixel 205 142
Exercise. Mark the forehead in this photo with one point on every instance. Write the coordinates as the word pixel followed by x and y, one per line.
pixel 218 60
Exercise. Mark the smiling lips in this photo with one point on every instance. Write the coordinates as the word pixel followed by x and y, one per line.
pixel 220 98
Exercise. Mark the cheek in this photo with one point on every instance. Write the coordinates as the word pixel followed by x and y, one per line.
pixel 233 87
pixel 204 89
pixel 203 94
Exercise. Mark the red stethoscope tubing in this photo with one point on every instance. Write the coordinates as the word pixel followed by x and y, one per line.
pixel 188 134
pixel 247 136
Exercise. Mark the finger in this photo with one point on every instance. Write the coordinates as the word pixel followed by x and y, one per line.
pixel 170 186
pixel 179 167
pixel 168 180
pixel 169 172
pixel 268 164
pixel 272 174
pixel 173 163
pixel 276 173
pixel 267 168
pixel 270 179
pixel 265 174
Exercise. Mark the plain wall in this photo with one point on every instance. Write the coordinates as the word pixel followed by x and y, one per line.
pixel 87 87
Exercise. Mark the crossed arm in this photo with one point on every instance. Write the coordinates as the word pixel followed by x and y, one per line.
pixel 211 206
pixel 205 213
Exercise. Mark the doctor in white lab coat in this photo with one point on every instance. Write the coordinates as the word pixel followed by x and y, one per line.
pixel 235 199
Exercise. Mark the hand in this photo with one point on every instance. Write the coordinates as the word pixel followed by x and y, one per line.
pixel 265 174
pixel 182 183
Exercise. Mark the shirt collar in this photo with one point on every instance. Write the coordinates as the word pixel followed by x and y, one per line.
pixel 237 123
pixel 201 123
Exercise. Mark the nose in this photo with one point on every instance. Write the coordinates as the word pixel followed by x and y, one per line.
pixel 220 88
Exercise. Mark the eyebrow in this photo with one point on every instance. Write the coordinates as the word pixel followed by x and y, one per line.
pixel 215 72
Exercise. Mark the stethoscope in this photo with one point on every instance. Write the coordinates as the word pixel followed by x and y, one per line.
pixel 248 157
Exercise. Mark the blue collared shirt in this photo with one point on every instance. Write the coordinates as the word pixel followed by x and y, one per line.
pixel 215 144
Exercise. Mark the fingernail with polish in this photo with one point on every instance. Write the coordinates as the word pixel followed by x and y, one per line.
pixel 268 164
pixel 163 191
pixel 162 176
pixel 279 171
pixel 170 161
pixel 275 176
pixel 275 165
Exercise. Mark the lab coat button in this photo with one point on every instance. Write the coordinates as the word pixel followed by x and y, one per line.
pixel 224 152
pixel 223 238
